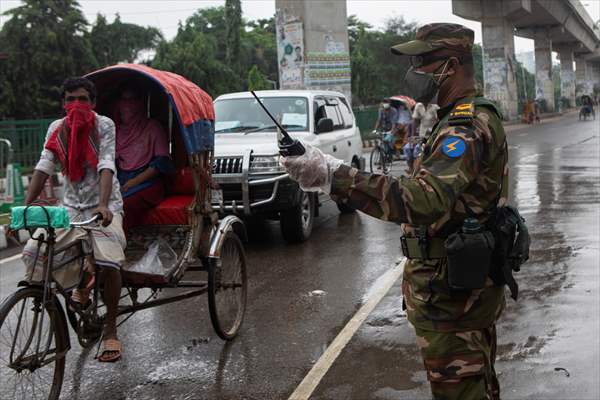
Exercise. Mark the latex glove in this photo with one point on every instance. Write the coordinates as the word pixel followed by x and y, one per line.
pixel 313 170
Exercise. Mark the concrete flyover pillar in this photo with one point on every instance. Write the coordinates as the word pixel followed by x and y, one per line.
pixel 595 67
pixel 567 74
pixel 584 83
pixel 312 45
pixel 499 63
pixel 544 87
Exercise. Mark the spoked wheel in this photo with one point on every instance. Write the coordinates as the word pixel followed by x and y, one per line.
pixel 379 161
pixel 227 287
pixel 31 342
pixel 375 160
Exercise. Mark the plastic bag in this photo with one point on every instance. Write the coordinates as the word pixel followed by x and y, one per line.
pixel 159 259
pixel 313 170
pixel 28 217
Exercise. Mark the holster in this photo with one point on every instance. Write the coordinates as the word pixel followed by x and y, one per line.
pixel 512 246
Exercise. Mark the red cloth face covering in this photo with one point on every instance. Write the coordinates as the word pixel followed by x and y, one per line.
pixel 75 144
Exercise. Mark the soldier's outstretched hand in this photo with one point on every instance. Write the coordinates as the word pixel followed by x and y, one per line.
pixel 313 170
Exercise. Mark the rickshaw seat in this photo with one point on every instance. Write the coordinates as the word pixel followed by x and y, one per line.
pixel 173 209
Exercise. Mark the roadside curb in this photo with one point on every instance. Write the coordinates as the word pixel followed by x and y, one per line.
pixel 511 126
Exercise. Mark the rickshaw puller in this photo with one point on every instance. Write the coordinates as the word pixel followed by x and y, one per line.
pixel 83 145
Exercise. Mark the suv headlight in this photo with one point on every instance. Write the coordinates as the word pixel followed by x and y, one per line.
pixel 265 164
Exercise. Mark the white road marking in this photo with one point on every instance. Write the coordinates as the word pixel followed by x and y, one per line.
pixel 318 371
pixel 9 259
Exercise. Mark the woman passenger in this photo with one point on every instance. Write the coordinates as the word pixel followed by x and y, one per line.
pixel 142 156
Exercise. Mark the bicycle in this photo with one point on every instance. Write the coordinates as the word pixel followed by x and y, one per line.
pixel 382 156
pixel 34 337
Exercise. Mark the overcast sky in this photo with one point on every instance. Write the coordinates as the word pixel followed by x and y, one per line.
pixel 165 15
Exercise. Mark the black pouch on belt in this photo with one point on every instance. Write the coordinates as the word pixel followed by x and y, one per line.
pixel 469 253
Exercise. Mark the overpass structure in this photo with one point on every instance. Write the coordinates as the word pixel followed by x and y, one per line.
pixel 562 26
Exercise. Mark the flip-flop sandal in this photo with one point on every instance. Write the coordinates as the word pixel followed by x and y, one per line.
pixel 110 350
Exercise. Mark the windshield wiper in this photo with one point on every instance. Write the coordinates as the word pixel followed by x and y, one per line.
pixel 240 128
pixel 272 127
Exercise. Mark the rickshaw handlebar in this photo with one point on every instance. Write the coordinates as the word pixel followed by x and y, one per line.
pixel 79 224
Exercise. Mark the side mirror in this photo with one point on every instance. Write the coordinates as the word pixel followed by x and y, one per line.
pixel 324 125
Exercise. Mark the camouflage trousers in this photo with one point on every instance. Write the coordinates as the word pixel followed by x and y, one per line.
pixel 460 365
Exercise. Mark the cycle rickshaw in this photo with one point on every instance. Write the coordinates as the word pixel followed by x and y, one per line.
pixel 587 108
pixel 34 337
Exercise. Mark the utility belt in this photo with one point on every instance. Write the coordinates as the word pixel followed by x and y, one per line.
pixel 476 252
pixel 423 248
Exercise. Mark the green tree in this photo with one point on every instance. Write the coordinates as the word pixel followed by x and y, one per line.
pixel 256 80
pixel 375 72
pixel 525 85
pixel 259 47
pixel 194 54
pixel 46 42
pixel 199 52
pixel 233 28
pixel 120 42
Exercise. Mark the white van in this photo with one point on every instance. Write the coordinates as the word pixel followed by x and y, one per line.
pixel 246 165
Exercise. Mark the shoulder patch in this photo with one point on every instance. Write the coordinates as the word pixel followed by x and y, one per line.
pixel 453 147
pixel 462 114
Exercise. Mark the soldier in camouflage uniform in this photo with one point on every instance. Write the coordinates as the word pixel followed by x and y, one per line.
pixel 462 172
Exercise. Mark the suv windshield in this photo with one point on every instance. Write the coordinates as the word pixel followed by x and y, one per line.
pixel 245 115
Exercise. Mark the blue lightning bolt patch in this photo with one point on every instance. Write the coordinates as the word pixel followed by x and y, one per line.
pixel 453 147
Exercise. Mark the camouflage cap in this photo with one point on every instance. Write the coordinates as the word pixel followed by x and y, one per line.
pixel 436 36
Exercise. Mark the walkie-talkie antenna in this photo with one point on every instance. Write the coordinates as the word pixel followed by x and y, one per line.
pixel 270 115
pixel 288 146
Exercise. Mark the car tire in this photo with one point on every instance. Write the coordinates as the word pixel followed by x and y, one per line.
pixel 344 208
pixel 297 222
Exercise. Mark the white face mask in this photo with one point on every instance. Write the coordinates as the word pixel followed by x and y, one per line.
pixel 386 105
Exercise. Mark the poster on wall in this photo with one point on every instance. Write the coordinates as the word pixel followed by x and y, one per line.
pixel 290 54
pixel 327 68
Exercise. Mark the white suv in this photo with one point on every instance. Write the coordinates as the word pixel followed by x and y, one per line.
pixel 247 157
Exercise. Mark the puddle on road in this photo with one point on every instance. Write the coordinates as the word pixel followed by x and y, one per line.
pixel 521 351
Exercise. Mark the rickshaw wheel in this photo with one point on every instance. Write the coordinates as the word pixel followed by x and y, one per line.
pixel 26 341
pixel 227 287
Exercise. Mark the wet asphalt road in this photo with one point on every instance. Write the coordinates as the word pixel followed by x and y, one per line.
pixel 171 352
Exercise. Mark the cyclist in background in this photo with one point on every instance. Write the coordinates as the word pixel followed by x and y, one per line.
pixel 387 117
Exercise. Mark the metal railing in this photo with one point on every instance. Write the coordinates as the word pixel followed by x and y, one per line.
pixel 27 138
